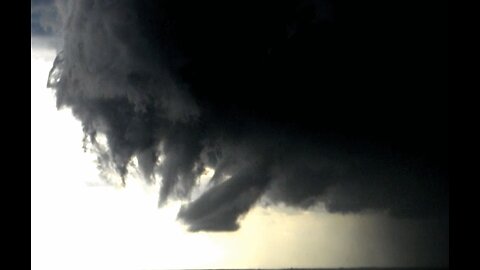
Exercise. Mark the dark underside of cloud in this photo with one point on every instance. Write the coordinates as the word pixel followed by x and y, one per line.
pixel 304 102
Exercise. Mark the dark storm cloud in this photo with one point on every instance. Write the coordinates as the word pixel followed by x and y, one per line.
pixel 296 102
pixel 219 208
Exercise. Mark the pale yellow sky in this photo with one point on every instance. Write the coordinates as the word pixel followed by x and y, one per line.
pixel 80 223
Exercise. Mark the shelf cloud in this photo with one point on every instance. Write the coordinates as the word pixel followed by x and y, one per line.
pixel 289 102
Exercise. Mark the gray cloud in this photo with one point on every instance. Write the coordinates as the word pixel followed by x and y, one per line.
pixel 219 208
pixel 185 85
pixel 44 18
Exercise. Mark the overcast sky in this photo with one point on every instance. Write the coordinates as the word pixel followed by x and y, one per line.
pixel 306 134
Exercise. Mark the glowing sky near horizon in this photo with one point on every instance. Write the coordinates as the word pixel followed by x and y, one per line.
pixel 79 222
